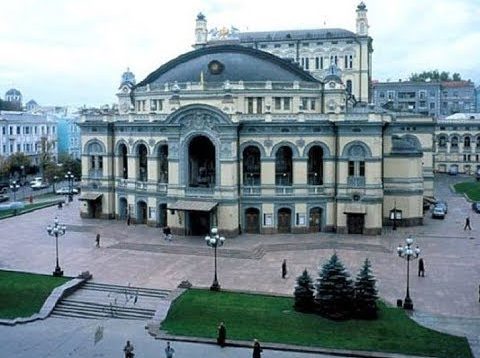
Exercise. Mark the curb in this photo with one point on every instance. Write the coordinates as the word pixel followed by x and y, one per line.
pixel 48 204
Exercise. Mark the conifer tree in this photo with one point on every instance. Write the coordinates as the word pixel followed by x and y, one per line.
pixel 366 293
pixel 334 296
pixel 304 293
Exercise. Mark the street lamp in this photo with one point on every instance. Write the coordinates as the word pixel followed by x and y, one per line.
pixel 408 253
pixel 215 240
pixel 395 215
pixel 69 177
pixel 55 178
pixel 56 230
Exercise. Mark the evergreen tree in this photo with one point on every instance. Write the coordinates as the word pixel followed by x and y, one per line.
pixel 366 293
pixel 304 293
pixel 334 290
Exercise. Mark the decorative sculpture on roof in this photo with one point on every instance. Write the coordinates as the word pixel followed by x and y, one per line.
pixel 224 33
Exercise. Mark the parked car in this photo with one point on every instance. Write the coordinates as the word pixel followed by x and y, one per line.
pixel 438 213
pixel 36 181
pixel 39 185
pixel 4 198
pixel 476 207
pixel 453 171
pixel 65 191
pixel 442 204
pixel 4 187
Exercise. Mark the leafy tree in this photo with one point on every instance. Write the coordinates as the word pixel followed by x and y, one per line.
pixel 365 293
pixel 45 154
pixel 69 164
pixel 304 293
pixel 434 75
pixel 4 168
pixel 334 290
pixel 9 106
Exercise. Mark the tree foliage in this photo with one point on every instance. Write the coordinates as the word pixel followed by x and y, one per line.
pixel 334 296
pixel 434 75
pixel 69 164
pixel 10 106
pixel 304 293
pixel 365 293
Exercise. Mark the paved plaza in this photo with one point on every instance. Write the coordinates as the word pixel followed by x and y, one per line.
pixel 446 298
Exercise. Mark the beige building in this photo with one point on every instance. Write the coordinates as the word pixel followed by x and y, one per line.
pixel 235 137
pixel 457 143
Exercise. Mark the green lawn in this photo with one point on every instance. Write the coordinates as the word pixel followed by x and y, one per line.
pixel 272 319
pixel 27 208
pixel 23 294
pixel 470 188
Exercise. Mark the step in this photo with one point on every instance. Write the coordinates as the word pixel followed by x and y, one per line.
pixel 92 305
pixel 103 311
pixel 141 290
pixel 129 291
pixel 102 315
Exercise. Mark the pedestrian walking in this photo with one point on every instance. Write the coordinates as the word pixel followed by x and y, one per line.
pixel 257 350
pixel 284 268
pixel 222 335
pixel 421 268
pixel 97 240
pixel 467 224
pixel 128 349
pixel 129 219
pixel 169 351
pixel 167 233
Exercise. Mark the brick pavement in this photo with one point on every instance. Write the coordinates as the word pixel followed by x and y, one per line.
pixel 138 255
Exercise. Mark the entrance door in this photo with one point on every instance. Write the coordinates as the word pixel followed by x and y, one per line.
pixel 252 221
pixel 199 223
pixel 284 220
pixel 122 209
pixel 315 220
pixel 141 212
pixel 95 209
pixel 162 215
pixel 355 223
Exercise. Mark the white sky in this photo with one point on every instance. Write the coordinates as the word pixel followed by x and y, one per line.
pixel 73 52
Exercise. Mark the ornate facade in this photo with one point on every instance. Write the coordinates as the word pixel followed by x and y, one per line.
pixel 235 137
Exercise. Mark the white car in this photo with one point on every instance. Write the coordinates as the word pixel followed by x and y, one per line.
pixel 65 191
pixel 39 185
pixel 438 212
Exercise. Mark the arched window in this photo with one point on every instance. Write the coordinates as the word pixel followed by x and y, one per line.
pixel 315 166
pixel 466 142
pixel 201 157
pixel 356 165
pixel 96 152
pixel 478 142
pixel 251 166
pixel 283 166
pixel 454 143
pixel 442 142
pixel 142 173
pixel 163 164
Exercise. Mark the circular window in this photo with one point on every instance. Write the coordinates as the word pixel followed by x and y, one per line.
pixel 215 67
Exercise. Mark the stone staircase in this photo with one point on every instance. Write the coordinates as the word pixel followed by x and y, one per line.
pixel 97 301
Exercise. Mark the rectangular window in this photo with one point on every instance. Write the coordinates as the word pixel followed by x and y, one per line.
pixel 321 63
pixel 278 102
pixel 263 46
pixel 345 64
pixel 286 103
pixel 312 104
pixel 307 64
pixel 350 61
pixel 351 168
pixel 277 45
pixel 11 130
pixel 153 104
pixel 19 148
pixel 317 63
pixel 18 129
pixel 304 103
pixel 35 129
pixel 432 105
pixel 249 104
pixel 390 95
pixel 100 162
pixel 362 169
pixel 4 130
pixel 305 44
pixel 259 104
pixel 4 147
pixel 291 45
pixel 11 148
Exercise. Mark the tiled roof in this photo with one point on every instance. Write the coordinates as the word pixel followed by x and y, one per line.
pixel 286 35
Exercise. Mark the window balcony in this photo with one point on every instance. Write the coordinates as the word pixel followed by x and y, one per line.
pixel 315 189
pixel 140 185
pixel 95 173
pixel 200 191
pixel 251 190
pixel 356 181
pixel 283 190
pixel 162 187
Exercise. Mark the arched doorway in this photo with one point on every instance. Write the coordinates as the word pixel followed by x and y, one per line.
pixel 315 166
pixel 284 220
pixel 252 221
pixel 141 212
pixel 315 220
pixel 162 215
pixel 283 166
pixel 142 174
pixel 201 163
pixel 122 209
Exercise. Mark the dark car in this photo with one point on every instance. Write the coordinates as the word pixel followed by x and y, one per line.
pixel 4 187
pixel 4 198
pixel 476 207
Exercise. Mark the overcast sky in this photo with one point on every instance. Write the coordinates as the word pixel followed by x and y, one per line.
pixel 73 52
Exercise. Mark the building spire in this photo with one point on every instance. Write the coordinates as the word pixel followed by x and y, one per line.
pixel 362 21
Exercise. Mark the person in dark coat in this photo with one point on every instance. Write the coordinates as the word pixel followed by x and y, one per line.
pixel 257 350
pixel 128 349
pixel 97 240
pixel 222 335
pixel 129 219
pixel 467 224
pixel 421 268
pixel 284 268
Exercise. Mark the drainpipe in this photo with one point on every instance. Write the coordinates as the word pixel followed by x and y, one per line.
pixel 335 192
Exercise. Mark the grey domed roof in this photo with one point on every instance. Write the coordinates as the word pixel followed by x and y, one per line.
pixel 13 92
pixel 227 62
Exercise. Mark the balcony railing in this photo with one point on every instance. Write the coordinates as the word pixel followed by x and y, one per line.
pixel 284 190
pixel 251 190
pixel 140 185
pixel 95 173
pixel 315 189
pixel 162 187
pixel 355 181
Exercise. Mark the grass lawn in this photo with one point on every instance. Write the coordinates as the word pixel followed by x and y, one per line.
pixel 27 208
pixel 470 188
pixel 273 319
pixel 23 294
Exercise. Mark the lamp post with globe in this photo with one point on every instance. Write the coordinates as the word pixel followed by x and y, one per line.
pixel 409 254
pixel 214 240
pixel 56 230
